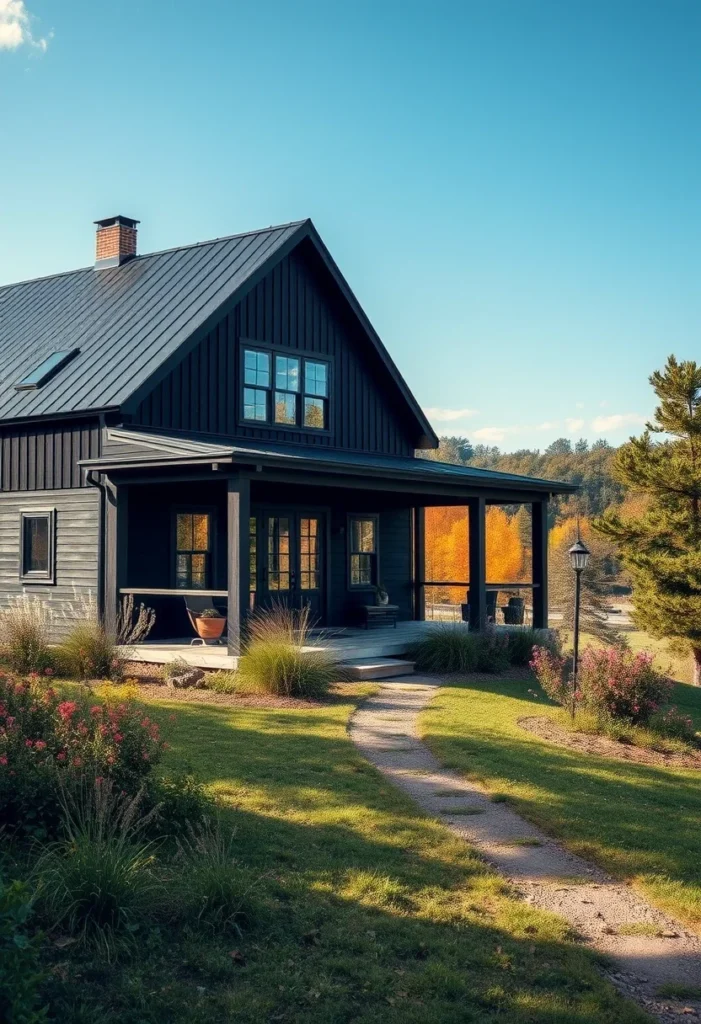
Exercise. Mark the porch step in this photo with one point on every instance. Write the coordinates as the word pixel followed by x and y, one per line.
pixel 370 669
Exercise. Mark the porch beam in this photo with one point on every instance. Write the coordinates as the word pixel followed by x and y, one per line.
pixel 238 512
pixel 476 517
pixel 539 543
pixel 115 556
pixel 419 562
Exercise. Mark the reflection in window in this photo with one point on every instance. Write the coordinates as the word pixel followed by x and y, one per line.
pixel 309 554
pixel 255 404
pixel 285 407
pixel 363 551
pixel 315 378
pixel 293 393
pixel 278 553
pixel 193 545
pixel 256 368
pixel 253 557
pixel 287 373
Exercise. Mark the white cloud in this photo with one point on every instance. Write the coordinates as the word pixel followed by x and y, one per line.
pixel 573 424
pixel 448 415
pixel 15 27
pixel 617 420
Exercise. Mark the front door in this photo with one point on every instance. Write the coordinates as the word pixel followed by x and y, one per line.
pixel 290 560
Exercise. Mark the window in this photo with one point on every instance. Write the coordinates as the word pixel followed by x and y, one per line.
pixel 292 391
pixel 362 545
pixel 253 558
pixel 47 369
pixel 37 546
pixel 193 545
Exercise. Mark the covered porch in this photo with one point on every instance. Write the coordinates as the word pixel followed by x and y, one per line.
pixel 248 527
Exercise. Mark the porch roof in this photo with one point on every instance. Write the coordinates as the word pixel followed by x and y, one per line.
pixel 133 449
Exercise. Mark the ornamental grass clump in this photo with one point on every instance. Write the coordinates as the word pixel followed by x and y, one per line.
pixel 89 651
pixel 449 647
pixel 97 883
pixel 274 661
pixel 26 627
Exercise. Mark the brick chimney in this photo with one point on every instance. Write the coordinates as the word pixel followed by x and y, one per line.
pixel 115 242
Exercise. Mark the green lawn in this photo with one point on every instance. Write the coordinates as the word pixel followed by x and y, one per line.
pixel 368 911
pixel 640 822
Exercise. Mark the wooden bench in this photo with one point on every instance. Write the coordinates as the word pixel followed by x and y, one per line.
pixel 377 615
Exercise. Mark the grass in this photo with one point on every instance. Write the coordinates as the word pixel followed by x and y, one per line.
pixel 640 822
pixel 366 912
pixel 672 990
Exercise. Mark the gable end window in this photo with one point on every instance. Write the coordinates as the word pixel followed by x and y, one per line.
pixel 287 390
pixel 363 552
pixel 38 546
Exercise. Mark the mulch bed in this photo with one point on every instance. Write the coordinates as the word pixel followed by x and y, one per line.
pixel 590 743
pixel 156 691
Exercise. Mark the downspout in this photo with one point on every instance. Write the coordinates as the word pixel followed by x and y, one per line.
pixel 94 479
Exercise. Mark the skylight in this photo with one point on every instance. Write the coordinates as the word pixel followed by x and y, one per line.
pixel 46 370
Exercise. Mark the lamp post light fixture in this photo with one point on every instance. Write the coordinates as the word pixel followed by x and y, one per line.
pixel 579 559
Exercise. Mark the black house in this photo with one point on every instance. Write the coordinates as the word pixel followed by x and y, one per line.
pixel 221 419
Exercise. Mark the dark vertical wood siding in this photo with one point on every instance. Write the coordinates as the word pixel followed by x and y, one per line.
pixel 37 457
pixel 77 524
pixel 295 307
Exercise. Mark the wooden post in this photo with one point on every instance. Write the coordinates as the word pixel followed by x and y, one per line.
pixel 477 563
pixel 115 557
pixel 238 514
pixel 419 563
pixel 539 536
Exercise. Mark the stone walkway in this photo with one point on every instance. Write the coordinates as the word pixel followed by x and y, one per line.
pixel 601 910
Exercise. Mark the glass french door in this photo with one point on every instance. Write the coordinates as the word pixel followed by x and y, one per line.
pixel 289 568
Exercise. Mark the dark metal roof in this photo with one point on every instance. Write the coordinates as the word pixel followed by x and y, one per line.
pixel 130 322
pixel 131 448
pixel 125 320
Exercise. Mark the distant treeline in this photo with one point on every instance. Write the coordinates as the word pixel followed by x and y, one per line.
pixel 589 466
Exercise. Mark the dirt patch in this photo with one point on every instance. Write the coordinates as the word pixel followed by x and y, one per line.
pixel 587 743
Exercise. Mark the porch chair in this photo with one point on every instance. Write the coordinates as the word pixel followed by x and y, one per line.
pixel 514 612
pixel 491 606
pixel 194 606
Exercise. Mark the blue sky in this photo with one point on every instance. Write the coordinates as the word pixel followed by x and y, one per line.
pixel 513 189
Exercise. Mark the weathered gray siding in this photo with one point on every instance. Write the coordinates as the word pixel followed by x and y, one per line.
pixel 77 549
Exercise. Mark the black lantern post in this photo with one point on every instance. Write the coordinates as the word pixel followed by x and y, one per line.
pixel 579 559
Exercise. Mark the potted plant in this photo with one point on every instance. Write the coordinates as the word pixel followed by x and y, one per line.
pixel 381 595
pixel 209 624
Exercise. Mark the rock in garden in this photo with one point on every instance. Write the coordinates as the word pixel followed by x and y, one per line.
pixel 187 679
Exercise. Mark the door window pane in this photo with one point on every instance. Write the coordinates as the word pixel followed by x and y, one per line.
pixel 256 368
pixel 285 407
pixel 309 568
pixel 287 373
pixel 278 553
pixel 255 404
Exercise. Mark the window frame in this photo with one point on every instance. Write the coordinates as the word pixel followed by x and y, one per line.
pixel 26 575
pixel 210 567
pixel 303 356
pixel 375 517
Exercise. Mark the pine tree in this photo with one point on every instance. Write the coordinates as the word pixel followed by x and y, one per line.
pixel 661 547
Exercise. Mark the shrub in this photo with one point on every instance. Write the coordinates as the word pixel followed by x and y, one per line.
pixel 674 725
pixel 47 743
pixel 617 684
pixel 274 661
pixel 221 681
pixel 213 890
pixel 89 651
pixel 97 883
pixel 549 669
pixel 25 630
pixel 452 648
pixel 177 667
pixel 492 650
pixel 178 798
pixel 20 974
pixel 522 642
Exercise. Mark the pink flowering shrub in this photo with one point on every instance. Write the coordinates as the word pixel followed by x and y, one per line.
pixel 549 668
pixel 48 744
pixel 617 684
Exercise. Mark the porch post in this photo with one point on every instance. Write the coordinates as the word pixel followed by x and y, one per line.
pixel 115 558
pixel 477 562
pixel 419 562
pixel 539 528
pixel 238 513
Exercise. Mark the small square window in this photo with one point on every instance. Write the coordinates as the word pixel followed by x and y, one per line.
pixel 37 546
pixel 256 368
pixel 255 404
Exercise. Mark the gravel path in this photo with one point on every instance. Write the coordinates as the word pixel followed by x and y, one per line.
pixel 385 729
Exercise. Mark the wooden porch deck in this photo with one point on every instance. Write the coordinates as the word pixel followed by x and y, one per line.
pixel 346 644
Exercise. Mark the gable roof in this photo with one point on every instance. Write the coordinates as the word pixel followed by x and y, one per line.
pixel 132 322
pixel 131 448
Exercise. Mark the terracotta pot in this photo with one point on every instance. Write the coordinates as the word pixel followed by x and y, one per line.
pixel 210 628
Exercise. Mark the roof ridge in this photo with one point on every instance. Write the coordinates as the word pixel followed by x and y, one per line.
pixel 161 252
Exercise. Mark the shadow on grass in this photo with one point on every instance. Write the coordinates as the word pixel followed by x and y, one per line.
pixel 369 912
pixel 636 820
